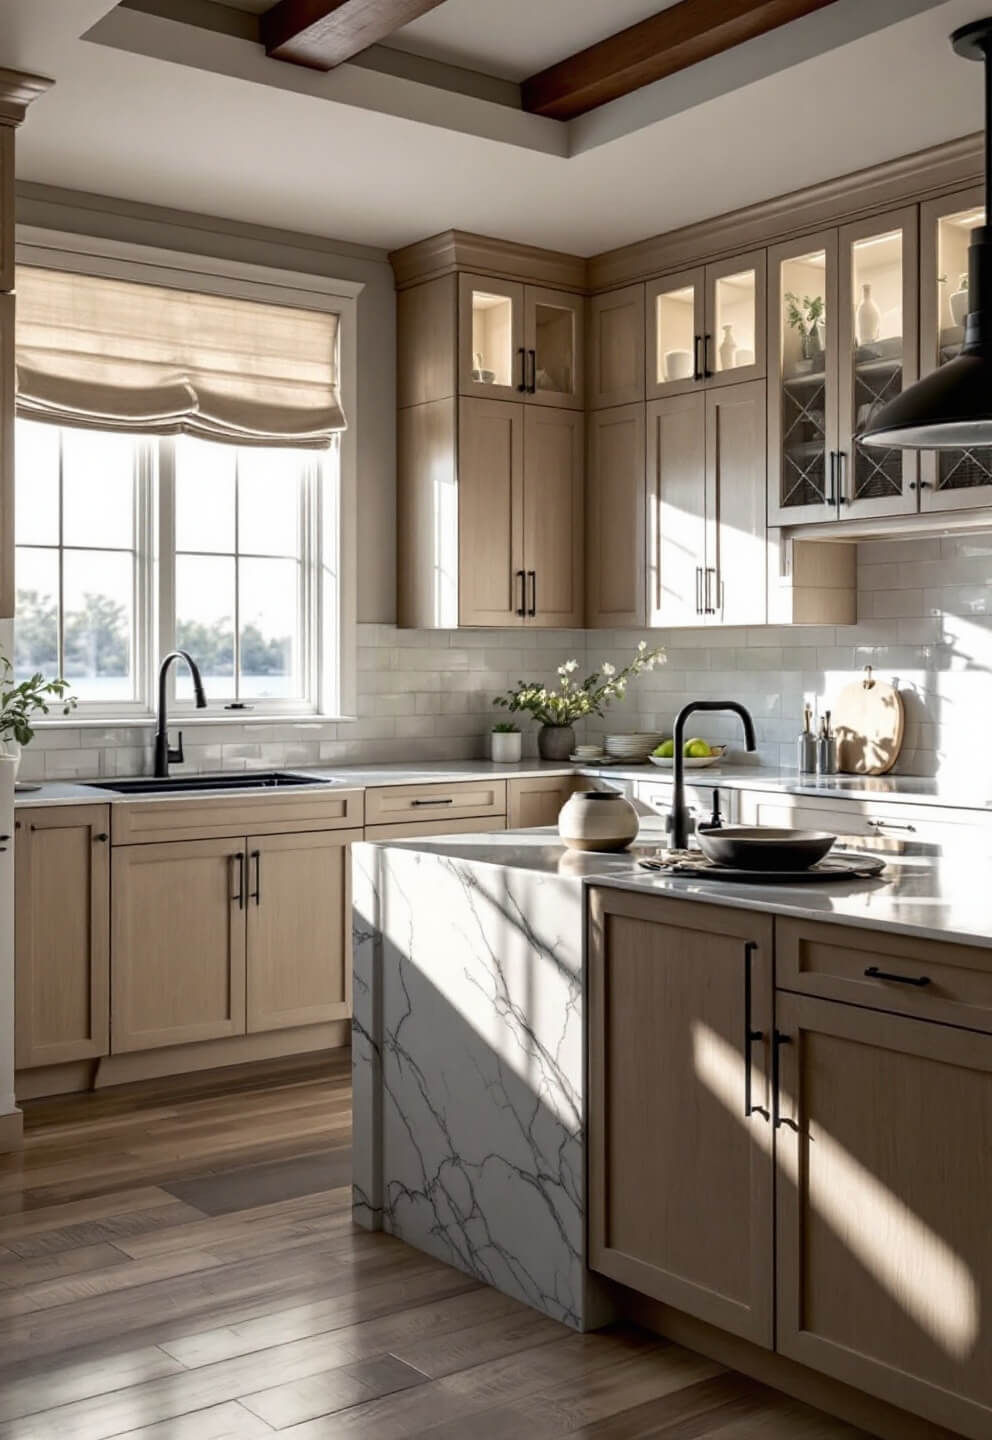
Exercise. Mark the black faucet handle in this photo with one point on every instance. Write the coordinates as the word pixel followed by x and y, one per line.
pixel 176 756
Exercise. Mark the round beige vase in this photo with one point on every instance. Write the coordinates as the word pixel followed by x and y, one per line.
pixel 598 820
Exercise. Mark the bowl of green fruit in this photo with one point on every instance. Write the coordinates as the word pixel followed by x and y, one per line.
pixel 697 754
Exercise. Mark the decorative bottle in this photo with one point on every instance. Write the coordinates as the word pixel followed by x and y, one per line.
pixel 869 317
pixel 728 348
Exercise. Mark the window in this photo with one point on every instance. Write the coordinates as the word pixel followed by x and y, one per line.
pixel 128 547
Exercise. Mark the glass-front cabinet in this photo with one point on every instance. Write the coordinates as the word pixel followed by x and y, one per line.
pixel 706 327
pixel 520 342
pixel 949 479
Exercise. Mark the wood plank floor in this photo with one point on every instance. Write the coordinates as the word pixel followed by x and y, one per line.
pixel 178 1262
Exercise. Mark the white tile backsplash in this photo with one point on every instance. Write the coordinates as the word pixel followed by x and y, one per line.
pixel 925 620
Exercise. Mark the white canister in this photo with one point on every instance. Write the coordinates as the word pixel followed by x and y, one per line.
pixel 678 364
pixel 598 820
pixel 505 746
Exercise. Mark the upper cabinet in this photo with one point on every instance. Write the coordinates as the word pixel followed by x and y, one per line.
pixel 842 314
pixel 706 327
pixel 616 348
pixel 520 342
pixel 949 479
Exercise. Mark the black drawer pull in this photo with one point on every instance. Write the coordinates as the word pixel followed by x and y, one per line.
pixel 891 825
pixel 447 800
pixel 873 973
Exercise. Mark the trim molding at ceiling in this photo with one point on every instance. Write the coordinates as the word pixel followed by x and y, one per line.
pixel 460 250
pixel 17 90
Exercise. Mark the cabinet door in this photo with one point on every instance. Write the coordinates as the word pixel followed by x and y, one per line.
pixel 616 514
pixel 554 506
pixel 7 390
pixel 802 380
pixel 538 799
pixel 490 513
pixel 676 324
pixel 734 330
pixel 884 1257
pixel 949 479
pixel 615 348
pixel 554 326
pixel 61 934
pixel 676 486
pixel 178 936
pixel 680 1137
pixel 735 583
pixel 491 354
pixel 878 288
pixel 299 929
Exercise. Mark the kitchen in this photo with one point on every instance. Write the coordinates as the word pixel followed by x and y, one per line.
pixel 347 1085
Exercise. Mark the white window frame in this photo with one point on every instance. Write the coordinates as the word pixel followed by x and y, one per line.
pixel 331 673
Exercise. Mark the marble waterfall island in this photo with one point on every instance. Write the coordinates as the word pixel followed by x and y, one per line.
pixel 469 1058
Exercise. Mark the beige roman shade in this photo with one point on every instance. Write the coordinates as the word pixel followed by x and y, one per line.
pixel 109 354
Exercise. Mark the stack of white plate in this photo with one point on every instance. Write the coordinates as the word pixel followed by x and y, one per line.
pixel 634 748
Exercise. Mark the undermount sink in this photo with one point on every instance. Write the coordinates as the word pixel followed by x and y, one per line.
pixel 178 784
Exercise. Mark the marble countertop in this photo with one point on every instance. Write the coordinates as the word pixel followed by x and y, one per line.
pixel 926 896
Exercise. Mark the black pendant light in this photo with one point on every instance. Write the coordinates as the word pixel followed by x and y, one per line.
pixel 951 409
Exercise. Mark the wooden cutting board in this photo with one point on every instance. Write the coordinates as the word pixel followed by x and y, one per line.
pixel 868 720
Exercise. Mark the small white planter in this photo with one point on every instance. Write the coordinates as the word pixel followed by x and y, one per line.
pixel 10 751
pixel 505 746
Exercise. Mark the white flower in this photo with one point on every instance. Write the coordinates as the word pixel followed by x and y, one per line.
pixel 643 645
pixel 570 665
pixel 608 669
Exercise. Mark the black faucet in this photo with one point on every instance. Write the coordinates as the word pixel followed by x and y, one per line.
pixel 679 823
pixel 164 754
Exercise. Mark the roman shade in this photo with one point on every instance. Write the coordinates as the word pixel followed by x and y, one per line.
pixel 108 354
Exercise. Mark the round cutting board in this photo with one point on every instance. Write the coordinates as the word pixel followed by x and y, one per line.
pixel 868 720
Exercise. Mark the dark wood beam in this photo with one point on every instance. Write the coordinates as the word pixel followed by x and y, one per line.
pixel 323 33
pixel 679 37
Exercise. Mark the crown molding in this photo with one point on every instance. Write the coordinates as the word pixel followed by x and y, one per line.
pixel 460 250
pixel 910 178
pixel 17 90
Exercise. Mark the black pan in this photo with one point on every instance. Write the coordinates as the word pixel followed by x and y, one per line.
pixel 763 847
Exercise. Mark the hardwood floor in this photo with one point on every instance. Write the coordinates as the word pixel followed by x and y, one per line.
pixel 178 1262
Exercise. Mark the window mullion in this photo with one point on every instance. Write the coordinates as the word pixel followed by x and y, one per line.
pixel 60 608
pixel 166 587
pixel 237 575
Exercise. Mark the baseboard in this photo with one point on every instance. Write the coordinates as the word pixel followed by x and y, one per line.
pixel 11 1132
pixel 846 1403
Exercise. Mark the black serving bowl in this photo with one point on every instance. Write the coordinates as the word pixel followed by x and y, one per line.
pixel 764 847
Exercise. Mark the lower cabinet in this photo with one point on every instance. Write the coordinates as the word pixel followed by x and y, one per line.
pixel 62 943
pixel 538 799
pixel 680 1134
pixel 884 1255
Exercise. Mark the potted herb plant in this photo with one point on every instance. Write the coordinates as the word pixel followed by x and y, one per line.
pixel 806 315
pixel 505 743
pixel 571 700
pixel 19 704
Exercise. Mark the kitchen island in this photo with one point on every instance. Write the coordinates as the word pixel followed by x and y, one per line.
pixel 595 1087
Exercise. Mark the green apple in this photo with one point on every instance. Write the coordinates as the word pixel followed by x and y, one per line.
pixel 665 750
pixel 697 750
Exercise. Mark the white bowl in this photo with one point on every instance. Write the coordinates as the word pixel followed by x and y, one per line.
pixel 690 762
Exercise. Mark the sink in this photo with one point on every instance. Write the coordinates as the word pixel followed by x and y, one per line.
pixel 181 784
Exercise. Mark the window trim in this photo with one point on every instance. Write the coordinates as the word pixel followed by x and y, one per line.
pixel 61 250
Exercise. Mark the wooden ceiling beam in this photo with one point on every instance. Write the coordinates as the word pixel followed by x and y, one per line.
pixel 324 33
pixel 683 35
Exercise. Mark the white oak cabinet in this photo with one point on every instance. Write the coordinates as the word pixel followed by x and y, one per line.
pixel 680 1139
pixel 616 519
pixel 706 327
pixel 538 799
pixel 616 348
pixel 61 934
pixel 520 342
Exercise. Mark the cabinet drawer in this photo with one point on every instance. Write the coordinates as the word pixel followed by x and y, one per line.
pixel 214 817
pixel 469 825
pixel 838 962
pixel 394 804
pixel 893 828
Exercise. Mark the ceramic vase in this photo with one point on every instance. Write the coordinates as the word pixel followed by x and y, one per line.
pixel 505 746
pixel 869 318
pixel 11 750
pixel 598 820
pixel 555 742
pixel 728 348
pixel 958 301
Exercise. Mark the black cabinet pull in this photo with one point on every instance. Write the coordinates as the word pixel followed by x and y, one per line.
pixel 707 372
pixel 710 609
pixel 4 838
pixel 749 1035
pixel 522 607
pixel 832 497
pixel 532 387
pixel 256 894
pixel 697 373
pixel 239 862
pixel 103 837
pixel 522 387
pixel 873 973
pixel 699 589
pixel 891 825
pixel 533 592
pixel 778 1040
pixel 841 471
pixel 445 800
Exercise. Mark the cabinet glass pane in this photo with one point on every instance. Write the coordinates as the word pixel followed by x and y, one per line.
pixel 676 331
pixel 877 362
pixel 492 338
pixel 802 362
pixel 555 344
pixel 956 469
pixel 735 299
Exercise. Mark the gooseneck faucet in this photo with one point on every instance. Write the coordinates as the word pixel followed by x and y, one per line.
pixel 679 824
pixel 164 754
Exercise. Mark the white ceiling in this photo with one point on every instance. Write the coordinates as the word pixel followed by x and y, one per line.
pixel 187 133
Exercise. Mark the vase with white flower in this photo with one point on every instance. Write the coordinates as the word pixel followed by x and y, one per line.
pixel 570 700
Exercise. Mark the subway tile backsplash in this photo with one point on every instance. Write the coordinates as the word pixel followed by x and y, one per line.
pixel 925 609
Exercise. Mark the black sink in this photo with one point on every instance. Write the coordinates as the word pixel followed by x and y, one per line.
pixel 180 784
